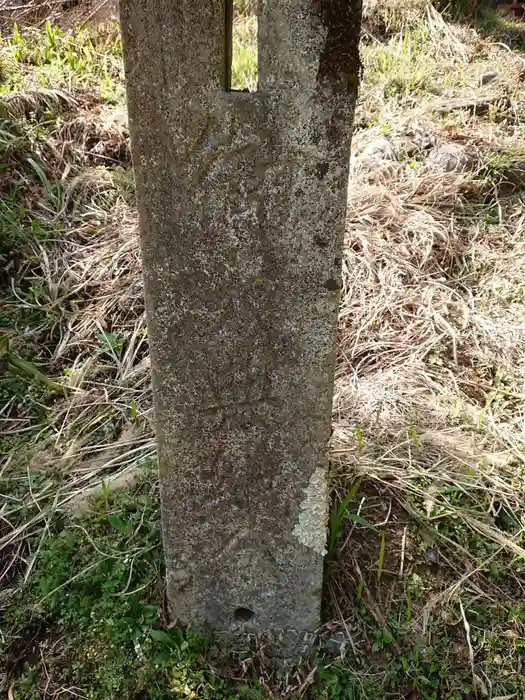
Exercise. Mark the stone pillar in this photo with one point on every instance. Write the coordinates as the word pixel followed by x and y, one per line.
pixel 242 202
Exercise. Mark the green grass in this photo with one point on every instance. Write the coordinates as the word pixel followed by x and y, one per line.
pixel 402 66
pixel 23 232
pixel 420 475
pixel 244 55
pixel 83 58
pixel 92 615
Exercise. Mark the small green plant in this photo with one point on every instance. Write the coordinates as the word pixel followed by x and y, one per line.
pixel 501 166
pixel 339 514
pixel 403 66
pixel 97 587
pixel 111 342
pixel 11 362
pixel 82 56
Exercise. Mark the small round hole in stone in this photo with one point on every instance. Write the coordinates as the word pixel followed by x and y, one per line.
pixel 243 614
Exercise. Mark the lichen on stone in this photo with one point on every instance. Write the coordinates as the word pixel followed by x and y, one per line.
pixel 313 516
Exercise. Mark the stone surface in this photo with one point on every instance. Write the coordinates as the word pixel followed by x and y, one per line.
pixel 453 156
pixel 431 556
pixel 379 148
pixel 475 105
pixel 488 78
pixel 242 200
pixel 337 643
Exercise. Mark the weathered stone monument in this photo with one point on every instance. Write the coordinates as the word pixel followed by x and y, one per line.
pixel 242 201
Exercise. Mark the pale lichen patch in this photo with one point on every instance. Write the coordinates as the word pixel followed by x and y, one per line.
pixel 313 516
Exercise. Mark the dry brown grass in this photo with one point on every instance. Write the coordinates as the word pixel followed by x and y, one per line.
pixel 430 386
pixel 86 287
pixel 428 333
pixel 428 410
pixel 67 13
pixel 389 18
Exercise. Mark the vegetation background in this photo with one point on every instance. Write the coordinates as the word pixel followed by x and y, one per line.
pixel 425 578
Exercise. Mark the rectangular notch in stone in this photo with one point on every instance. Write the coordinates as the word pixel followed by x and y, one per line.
pixel 242 213
pixel 241 50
